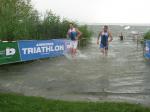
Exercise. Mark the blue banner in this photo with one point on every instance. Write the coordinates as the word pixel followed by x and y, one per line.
pixel 37 49
pixel 147 49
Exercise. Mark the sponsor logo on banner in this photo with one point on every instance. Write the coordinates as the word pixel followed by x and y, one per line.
pixel 31 50
pixel 9 52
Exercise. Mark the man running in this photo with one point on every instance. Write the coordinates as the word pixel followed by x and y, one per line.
pixel 74 34
pixel 104 35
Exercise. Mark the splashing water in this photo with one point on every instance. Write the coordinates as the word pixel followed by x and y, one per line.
pixel 78 55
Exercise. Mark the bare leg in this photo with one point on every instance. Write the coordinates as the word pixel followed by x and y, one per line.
pixel 103 51
pixel 75 51
pixel 71 51
pixel 106 52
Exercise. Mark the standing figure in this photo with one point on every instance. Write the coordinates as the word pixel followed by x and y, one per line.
pixel 104 43
pixel 121 37
pixel 73 34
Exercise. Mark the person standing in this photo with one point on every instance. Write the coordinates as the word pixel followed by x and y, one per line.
pixel 106 38
pixel 74 34
pixel 121 37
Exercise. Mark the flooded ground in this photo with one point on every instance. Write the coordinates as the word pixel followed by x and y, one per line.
pixel 122 76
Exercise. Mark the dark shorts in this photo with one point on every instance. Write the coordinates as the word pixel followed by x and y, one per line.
pixel 103 47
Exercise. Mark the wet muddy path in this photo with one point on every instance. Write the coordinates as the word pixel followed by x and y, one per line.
pixel 122 76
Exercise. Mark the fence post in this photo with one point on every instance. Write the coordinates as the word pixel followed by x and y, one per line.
pixel 81 42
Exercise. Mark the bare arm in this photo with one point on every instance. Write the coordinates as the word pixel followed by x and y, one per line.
pixel 111 38
pixel 79 33
pixel 98 37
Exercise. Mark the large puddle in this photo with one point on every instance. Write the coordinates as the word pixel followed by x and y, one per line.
pixel 122 76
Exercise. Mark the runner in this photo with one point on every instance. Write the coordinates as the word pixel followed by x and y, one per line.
pixel 73 34
pixel 104 35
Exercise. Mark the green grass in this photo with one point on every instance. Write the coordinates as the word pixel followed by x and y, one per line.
pixel 19 103
pixel 147 36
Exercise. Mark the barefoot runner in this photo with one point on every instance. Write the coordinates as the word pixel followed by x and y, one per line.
pixel 104 43
pixel 73 34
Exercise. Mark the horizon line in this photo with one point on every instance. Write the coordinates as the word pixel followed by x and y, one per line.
pixel 140 24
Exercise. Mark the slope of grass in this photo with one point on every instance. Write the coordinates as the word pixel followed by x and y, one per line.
pixel 19 103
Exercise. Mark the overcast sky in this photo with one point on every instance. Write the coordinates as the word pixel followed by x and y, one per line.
pixel 98 11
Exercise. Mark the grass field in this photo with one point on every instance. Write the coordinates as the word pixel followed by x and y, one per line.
pixel 19 103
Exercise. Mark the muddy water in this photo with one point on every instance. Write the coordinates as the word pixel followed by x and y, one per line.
pixel 122 76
